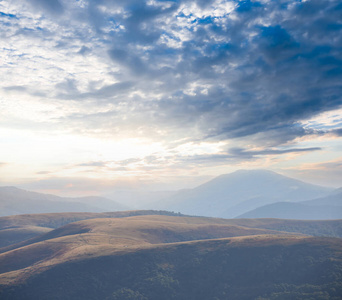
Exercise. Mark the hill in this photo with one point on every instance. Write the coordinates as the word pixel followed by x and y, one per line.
pixel 320 228
pixel 299 211
pixel 17 229
pixel 167 257
pixel 324 208
pixel 14 229
pixel 14 201
pixel 231 195
pixel 95 237
pixel 9 236
pixel 333 199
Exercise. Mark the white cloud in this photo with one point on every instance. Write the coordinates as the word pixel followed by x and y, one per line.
pixel 184 76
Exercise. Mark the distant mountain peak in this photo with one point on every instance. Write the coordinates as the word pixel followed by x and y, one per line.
pixel 254 171
pixel 230 195
pixel 251 172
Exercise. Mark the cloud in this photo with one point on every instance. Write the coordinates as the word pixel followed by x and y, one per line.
pixel 245 73
pixel 53 7
pixel 81 186
pixel 238 155
pixel 92 164
pixel 43 172
pixel 328 173
pixel 15 88
pixel 180 160
pixel 337 132
pixel 249 154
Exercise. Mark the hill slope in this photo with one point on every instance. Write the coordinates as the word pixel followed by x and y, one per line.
pixel 164 257
pixel 17 229
pixel 231 195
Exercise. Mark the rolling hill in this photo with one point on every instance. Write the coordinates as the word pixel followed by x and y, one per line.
pixel 170 257
pixel 324 208
pixel 333 199
pixel 14 201
pixel 299 211
pixel 14 229
pixel 231 195
pixel 17 229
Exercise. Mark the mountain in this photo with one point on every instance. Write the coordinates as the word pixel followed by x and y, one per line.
pixel 233 194
pixel 138 199
pixel 324 208
pixel 333 199
pixel 153 257
pixel 14 201
pixel 299 211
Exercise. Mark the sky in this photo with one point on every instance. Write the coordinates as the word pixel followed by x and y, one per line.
pixel 106 94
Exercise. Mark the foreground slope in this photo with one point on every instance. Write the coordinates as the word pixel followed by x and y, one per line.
pixel 260 267
pixel 233 194
pixel 167 257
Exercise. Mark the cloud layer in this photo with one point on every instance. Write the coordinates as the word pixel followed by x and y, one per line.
pixel 243 74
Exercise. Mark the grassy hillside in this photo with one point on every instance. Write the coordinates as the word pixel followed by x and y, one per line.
pixel 328 228
pixel 17 229
pixel 55 220
pixel 15 235
pixel 259 267
pixel 134 255
pixel 90 237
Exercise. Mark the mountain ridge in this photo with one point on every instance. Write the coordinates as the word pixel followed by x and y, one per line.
pixel 14 201
pixel 224 195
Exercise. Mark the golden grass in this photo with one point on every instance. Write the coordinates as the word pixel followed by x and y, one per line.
pixel 115 236
pixel 15 235
pixel 109 236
